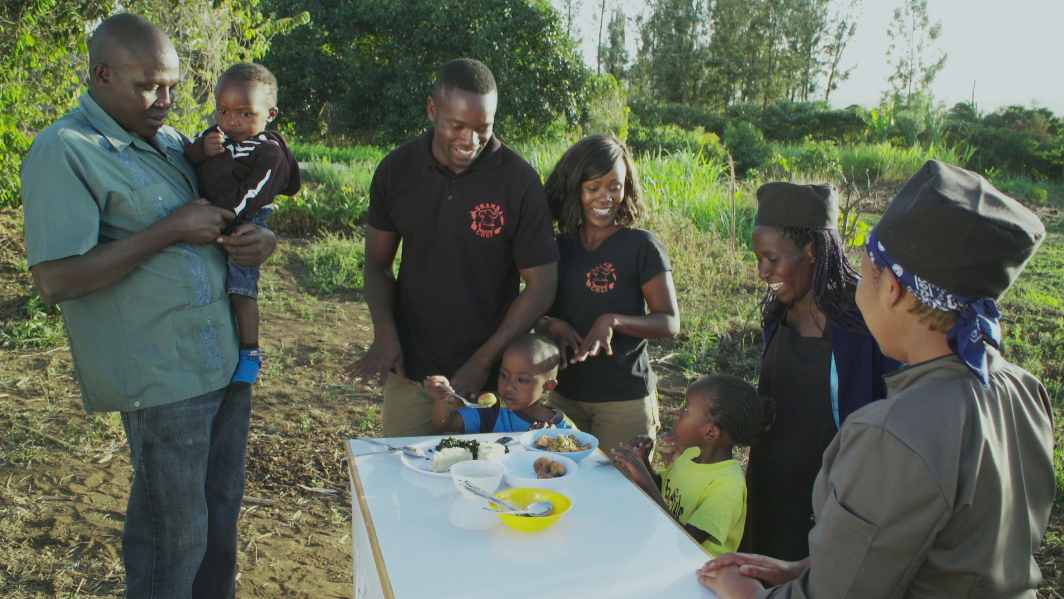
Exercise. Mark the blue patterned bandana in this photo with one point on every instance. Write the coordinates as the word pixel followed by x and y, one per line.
pixel 979 316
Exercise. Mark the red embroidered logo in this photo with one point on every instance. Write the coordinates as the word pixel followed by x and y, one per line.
pixel 602 278
pixel 488 220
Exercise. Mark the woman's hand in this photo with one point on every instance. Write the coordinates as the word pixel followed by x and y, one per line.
pixel 597 339
pixel 564 336
pixel 728 583
pixel 773 571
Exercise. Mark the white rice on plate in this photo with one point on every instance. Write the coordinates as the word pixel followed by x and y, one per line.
pixel 443 459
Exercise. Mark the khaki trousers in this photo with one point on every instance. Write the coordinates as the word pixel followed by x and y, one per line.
pixel 612 422
pixel 407 409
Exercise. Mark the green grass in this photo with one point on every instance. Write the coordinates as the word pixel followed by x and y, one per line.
pixel 334 264
pixel 309 152
pixel 34 325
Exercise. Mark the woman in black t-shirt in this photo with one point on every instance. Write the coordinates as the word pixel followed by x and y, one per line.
pixel 615 291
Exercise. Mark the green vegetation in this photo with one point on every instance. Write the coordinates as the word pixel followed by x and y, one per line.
pixel 34 325
pixel 334 264
pixel 44 57
pixel 366 67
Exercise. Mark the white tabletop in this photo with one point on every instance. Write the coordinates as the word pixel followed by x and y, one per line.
pixel 427 540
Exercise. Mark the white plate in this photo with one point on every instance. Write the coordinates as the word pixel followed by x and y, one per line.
pixel 422 465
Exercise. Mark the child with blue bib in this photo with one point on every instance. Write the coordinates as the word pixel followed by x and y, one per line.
pixel 528 371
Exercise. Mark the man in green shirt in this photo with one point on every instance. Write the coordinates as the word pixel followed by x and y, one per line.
pixel 116 234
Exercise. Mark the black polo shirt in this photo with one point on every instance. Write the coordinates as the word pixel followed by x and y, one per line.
pixel 464 238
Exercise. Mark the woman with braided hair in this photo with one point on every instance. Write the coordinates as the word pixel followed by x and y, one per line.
pixel 819 362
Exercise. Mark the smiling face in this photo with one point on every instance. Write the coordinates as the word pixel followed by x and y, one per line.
pixel 462 125
pixel 242 108
pixel 602 196
pixel 521 383
pixel 787 268
pixel 137 88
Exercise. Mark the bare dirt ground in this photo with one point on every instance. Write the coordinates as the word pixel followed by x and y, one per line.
pixel 64 474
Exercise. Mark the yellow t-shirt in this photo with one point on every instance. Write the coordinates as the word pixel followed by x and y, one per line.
pixel 709 497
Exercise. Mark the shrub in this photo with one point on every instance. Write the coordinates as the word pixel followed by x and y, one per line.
pixel 607 109
pixel 671 139
pixel 747 147
pixel 320 210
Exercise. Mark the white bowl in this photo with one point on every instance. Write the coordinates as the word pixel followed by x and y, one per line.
pixel 529 439
pixel 485 475
pixel 520 473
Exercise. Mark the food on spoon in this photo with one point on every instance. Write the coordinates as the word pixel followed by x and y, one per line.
pixel 561 443
pixel 487 399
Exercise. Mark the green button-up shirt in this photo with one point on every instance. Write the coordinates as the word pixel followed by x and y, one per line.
pixel 164 332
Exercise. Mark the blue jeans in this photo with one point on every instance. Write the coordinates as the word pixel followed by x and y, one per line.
pixel 244 280
pixel 180 535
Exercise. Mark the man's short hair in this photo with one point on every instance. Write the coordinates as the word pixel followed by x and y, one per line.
pixel 124 32
pixel 246 72
pixel 466 74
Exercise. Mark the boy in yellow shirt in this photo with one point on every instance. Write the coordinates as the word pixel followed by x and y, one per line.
pixel 704 489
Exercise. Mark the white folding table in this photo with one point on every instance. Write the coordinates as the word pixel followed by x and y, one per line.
pixel 416 537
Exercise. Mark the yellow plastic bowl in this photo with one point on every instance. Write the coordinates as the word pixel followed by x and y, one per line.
pixel 522 498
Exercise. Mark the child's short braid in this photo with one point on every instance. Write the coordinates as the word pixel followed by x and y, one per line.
pixel 737 407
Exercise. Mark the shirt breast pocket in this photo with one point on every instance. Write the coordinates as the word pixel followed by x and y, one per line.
pixel 132 211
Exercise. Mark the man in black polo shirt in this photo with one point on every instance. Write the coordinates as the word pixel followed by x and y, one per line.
pixel 474 220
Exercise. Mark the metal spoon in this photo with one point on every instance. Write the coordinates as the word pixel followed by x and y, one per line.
pixel 468 404
pixel 536 509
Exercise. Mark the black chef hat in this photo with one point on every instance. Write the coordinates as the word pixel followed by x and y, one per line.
pixel 952 228
pixel 782 204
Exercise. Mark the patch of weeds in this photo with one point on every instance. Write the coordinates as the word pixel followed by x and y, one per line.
pixel 305 423
pixel 334 264
pixel 34 325
pixel 319 356
pixel 301 306
pixel 368 421
pixel 107 425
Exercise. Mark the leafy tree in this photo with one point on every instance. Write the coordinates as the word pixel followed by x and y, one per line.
pixel 44 58
pixel 674 53
pixel 366 67
pixel 842 29
pixel 570 10
pixel 42 61
pixel 615 55
pixel 912 40
pixel 210 36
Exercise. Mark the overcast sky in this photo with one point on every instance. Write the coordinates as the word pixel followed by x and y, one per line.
pixel 1012 51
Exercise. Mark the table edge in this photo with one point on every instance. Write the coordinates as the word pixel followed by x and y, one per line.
pixel 378 556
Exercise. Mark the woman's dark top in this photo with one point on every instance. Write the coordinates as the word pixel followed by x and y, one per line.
pixel 608 279
pixel 796 382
